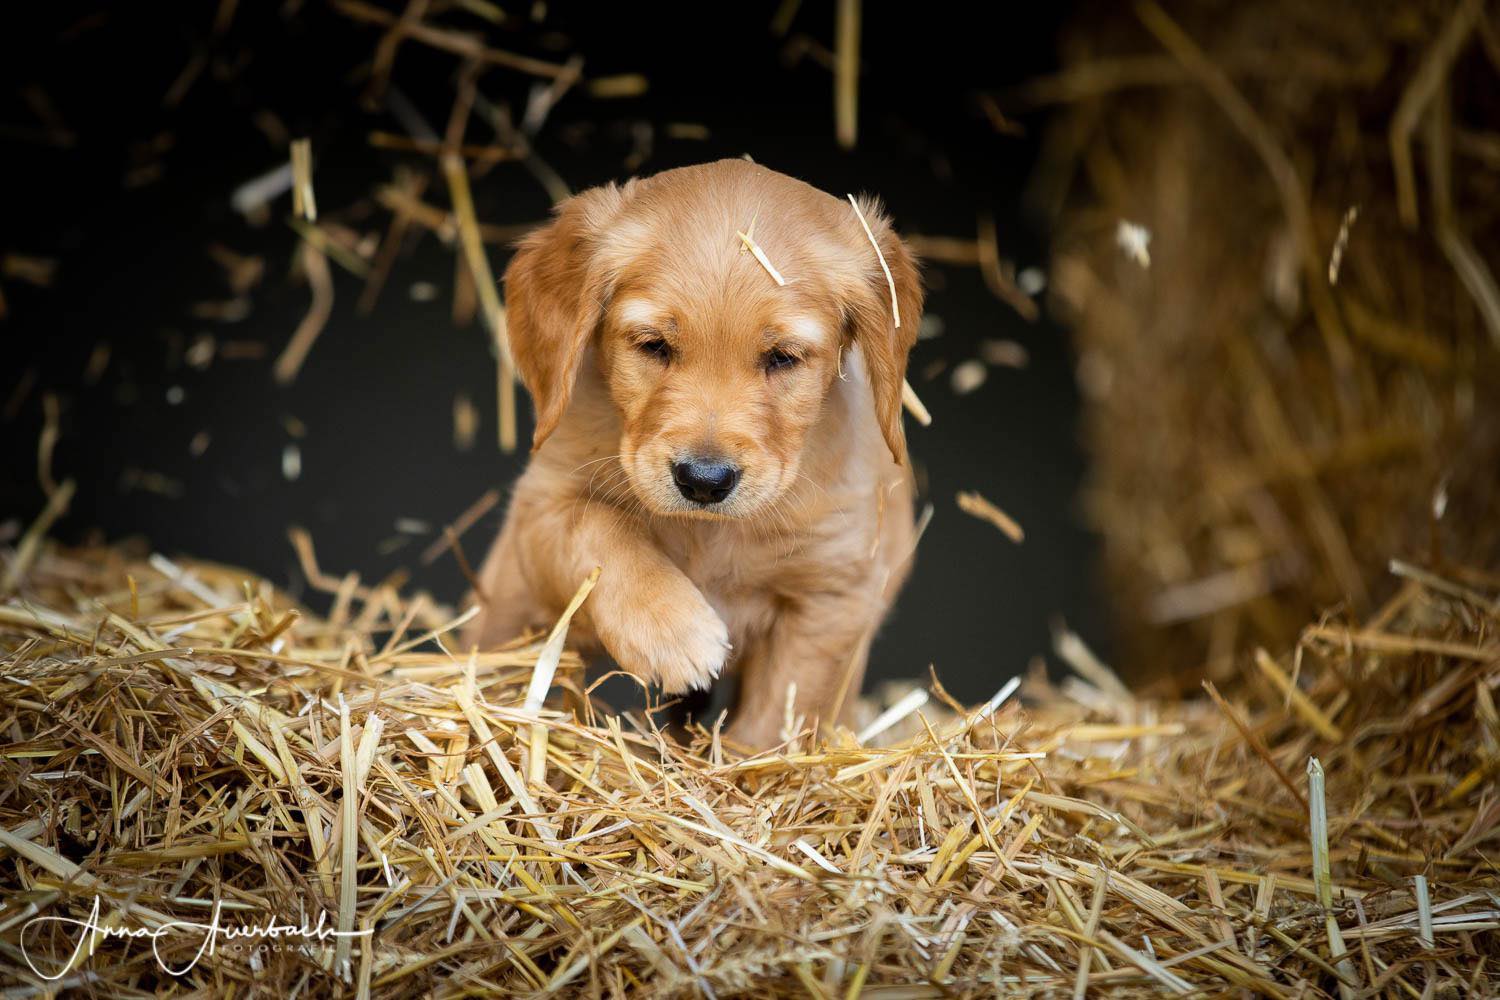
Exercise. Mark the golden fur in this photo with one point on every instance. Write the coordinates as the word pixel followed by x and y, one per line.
pixel 645 332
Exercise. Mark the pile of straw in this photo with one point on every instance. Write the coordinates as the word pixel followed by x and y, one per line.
pixel 1277 228
pixel 176 736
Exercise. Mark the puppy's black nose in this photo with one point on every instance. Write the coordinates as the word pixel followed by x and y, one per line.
pixel 705 480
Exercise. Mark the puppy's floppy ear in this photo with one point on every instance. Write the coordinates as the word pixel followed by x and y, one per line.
pixel 555 290
pixel 872 322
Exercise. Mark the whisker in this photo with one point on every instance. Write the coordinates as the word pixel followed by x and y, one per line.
pixel 596 461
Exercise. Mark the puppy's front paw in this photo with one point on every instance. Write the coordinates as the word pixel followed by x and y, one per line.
pixel 663 631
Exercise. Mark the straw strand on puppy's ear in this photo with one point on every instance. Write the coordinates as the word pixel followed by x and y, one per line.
pixel 873 317
pixel 555 289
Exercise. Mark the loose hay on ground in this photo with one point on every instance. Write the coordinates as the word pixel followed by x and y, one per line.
pixel 177 735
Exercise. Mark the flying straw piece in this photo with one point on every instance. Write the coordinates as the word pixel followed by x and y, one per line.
pixel 465 421
pixel 31 543
pixel 999 698
pixel 914 404
pixel 303 202
pixel 320 279
pixel 620 85
pixel 291 463
pixel 1340 244
pixel 1004 354
pixel 38 271
pixel 973 504
pixel 968 376
pixel 1135 240
pixel 472 245
pixel 846 73
pixel 461 524
pixel 544 671
pixel 999 276
pixel 760 255
pixel 460 43
pixel 915 699
pixel 256 192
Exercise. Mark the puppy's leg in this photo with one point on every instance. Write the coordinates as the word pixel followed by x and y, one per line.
pixel 507 604
pixel 815 649
pixel 645 611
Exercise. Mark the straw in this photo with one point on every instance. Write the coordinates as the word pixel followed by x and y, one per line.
pixel 1424 911
pixel 486 502
pixel 880 256
pixel 760 255
pixel 908 704
pixel 977 506
pixel 914 405
pixel 1127 847
pixel 545 669
pixel 25 553
pixel 304 204
pixel 297 349
pixel 457 42
pixel 1341 244
pixel 846 73
pixel 484 284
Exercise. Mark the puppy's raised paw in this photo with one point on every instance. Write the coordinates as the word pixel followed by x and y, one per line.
pixel 663 631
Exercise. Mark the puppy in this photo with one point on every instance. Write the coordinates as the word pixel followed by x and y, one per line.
pixel 728 448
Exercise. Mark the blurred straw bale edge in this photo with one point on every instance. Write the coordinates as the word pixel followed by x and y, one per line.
pixel 1268 425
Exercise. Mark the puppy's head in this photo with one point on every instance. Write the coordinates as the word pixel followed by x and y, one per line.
pixel 717 370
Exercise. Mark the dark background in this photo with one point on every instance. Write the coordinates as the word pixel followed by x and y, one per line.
pixel 127 190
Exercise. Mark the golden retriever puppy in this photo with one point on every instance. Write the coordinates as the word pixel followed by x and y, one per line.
pixel 727 447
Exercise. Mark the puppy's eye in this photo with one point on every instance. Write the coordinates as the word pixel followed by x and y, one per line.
pixel 779 359
pixel 655 347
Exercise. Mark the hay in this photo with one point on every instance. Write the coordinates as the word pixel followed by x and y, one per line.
pixel 1285 398
pixel 320 279
pixel 976 505
pixel 304 204
pixel 879 256
pixel 758 253
pixel 846 74
pixel 180 736
pixel 909 399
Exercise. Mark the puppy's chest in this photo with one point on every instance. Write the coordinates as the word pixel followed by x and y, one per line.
pixel 751 582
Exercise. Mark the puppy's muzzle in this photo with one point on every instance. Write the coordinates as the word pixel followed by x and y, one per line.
pixel 705 480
